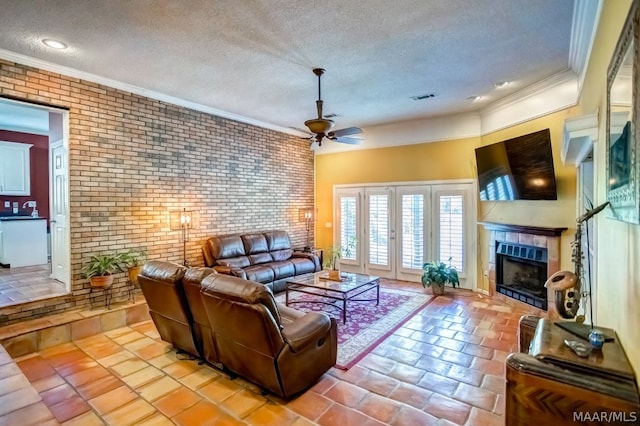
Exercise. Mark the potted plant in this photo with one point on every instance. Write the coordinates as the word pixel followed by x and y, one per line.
pixel 132 261
pixel 100 269
pixel 334 255
pixel 437 274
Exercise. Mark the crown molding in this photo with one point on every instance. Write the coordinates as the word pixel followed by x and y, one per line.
pixel 555 93
pixel 552 94
pixel 70 72
pixel 412 132
pixel 586 15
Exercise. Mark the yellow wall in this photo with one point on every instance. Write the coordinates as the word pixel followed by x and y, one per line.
pixel 618 244
pixel 422 162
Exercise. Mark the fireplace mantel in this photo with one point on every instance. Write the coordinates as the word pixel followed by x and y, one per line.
pixel 523 229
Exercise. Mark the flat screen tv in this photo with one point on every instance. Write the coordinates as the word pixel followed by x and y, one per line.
pixel 517 169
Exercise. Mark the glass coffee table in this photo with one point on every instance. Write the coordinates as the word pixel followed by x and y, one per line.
pixel 338 292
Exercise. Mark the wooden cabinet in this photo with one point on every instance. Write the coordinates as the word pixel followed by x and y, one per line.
pixel 15 170
pixel 550 385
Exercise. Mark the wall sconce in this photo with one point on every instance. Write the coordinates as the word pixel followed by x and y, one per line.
pixel 182 221
pixel 307 216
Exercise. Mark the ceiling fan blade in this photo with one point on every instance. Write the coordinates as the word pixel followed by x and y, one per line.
pixel 344 139
pixel 345 132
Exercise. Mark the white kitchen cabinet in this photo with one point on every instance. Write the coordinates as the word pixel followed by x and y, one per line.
pixel 23 241
pixel 15 168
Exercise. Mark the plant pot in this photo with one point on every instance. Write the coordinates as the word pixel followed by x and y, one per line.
pixel 133 273
pixel 101 281
pixel 437 289
pixel 334 274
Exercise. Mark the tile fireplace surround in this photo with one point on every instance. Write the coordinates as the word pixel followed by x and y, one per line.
pixel 543 237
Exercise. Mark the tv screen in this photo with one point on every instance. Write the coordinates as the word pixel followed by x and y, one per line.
pixel 517 169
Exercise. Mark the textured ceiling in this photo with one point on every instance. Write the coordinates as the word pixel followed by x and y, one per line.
pixel 254 58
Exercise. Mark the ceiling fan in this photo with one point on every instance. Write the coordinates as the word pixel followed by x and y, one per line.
pixel 321 126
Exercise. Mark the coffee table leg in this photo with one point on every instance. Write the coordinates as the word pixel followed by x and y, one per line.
pixel 344 310
pixel 286 296
pixel 377 294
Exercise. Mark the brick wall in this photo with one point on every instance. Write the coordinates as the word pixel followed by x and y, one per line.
pixel 133 159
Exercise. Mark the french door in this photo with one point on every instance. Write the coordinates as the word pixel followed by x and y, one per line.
pixel 390 231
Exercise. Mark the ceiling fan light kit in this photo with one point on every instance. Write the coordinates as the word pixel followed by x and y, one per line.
pixel 321 126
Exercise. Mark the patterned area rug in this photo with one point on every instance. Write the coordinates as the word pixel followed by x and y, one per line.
pixel 367 324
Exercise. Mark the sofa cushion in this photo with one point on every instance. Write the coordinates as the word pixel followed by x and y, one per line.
pixel 259 258
pixel 259 273
pixel 277 240
pixel 226 246
pixel 255 243
pixel 302 265
pixel 283 269
pixel 235 262
pixel 280 255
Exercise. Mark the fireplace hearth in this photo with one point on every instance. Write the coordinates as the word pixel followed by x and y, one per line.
pixel 521 272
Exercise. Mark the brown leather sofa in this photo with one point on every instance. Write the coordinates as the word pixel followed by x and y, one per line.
pixel 265 257
pixel 237 325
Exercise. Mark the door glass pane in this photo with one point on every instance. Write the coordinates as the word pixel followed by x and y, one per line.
pixel 379 229
pixel 451 231
pixel 348 218
pixel 412 231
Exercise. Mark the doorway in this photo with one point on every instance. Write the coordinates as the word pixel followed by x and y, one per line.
pixel 49 185
pixel 391 230
pixel 586 197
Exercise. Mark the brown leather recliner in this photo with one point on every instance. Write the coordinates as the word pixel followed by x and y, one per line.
pixel 161 284
pixel 202 327
pixel 281 349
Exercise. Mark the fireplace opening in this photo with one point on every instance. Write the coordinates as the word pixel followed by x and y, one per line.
pixel 521 272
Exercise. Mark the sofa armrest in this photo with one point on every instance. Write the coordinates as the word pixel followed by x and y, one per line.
pixel 306 330
pixel 227 270
pixel 311 256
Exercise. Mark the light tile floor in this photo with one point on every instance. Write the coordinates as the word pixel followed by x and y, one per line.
pixel 28 283
pixel 445 366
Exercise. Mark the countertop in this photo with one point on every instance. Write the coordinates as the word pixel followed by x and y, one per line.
pixel 17 217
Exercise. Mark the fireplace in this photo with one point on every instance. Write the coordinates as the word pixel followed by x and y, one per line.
pixel 521 258
pixel 521 272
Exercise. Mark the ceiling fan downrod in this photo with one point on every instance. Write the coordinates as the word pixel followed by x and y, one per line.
pixel 319 72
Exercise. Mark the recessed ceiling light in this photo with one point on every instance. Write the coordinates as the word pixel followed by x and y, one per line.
pixel 54 43
pixel 501 84
pixel 474 98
